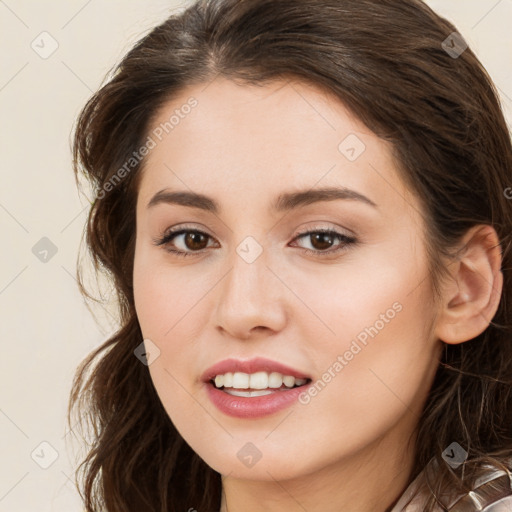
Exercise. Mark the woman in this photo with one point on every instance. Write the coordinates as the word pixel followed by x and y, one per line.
pixel 303 208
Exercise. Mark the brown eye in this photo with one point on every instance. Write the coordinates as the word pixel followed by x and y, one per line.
pixel 184 242
pixel 195 240
pixel 321 241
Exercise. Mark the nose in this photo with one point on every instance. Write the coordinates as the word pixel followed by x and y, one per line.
pixel 251 298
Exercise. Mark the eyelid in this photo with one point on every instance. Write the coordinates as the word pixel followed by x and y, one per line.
pixel 325 227
pixel 190 227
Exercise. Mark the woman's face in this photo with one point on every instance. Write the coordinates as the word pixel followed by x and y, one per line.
pixel 352 310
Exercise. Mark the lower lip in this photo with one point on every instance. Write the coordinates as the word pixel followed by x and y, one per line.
pixel 255 407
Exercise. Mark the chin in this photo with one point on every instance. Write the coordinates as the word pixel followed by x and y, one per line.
pixel 254 461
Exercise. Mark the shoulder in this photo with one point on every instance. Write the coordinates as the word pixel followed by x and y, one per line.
pixel 503 505
pixel 492 492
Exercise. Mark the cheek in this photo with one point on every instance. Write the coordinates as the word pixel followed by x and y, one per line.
pixel 164 300
pixel 170 306
pixel 372 339
pixel 380 360
pixel 365 296
pixel 165 296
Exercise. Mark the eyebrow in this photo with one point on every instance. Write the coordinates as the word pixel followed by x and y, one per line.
pixel 284 202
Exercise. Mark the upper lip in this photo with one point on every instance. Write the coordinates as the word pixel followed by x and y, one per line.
pixel 258 364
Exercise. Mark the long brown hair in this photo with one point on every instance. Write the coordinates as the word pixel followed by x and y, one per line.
pixel 388 62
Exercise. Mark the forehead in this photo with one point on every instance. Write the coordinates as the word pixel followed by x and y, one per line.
pixel 256 140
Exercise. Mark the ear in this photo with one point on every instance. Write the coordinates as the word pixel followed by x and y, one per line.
pixel 472 296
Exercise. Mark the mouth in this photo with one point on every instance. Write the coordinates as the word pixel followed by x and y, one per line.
pixel 254 388
pixel 256 384
pixel 247 401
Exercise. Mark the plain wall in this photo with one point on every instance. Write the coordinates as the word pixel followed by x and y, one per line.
pixel 46 329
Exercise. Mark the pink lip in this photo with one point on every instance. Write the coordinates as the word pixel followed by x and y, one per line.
pixel 258 364
pixel 244 407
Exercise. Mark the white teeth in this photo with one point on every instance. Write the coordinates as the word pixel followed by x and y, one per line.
pixel 275 380
pixel 240 380
pixel 256 381
pixel 248 394
pixel 288 381
pixel 228 380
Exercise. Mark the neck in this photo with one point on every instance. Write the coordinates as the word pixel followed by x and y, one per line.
pixel 372 481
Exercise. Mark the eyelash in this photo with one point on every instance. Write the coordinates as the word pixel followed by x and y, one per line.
pixel 166 239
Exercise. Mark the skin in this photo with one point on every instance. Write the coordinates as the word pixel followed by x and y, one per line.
pixel 243 145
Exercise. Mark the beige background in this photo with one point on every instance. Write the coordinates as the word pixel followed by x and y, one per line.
pixel 45 327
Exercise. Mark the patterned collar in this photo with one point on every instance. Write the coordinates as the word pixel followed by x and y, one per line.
pixel 492 493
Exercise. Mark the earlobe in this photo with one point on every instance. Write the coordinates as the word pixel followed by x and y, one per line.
pixel 472 295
